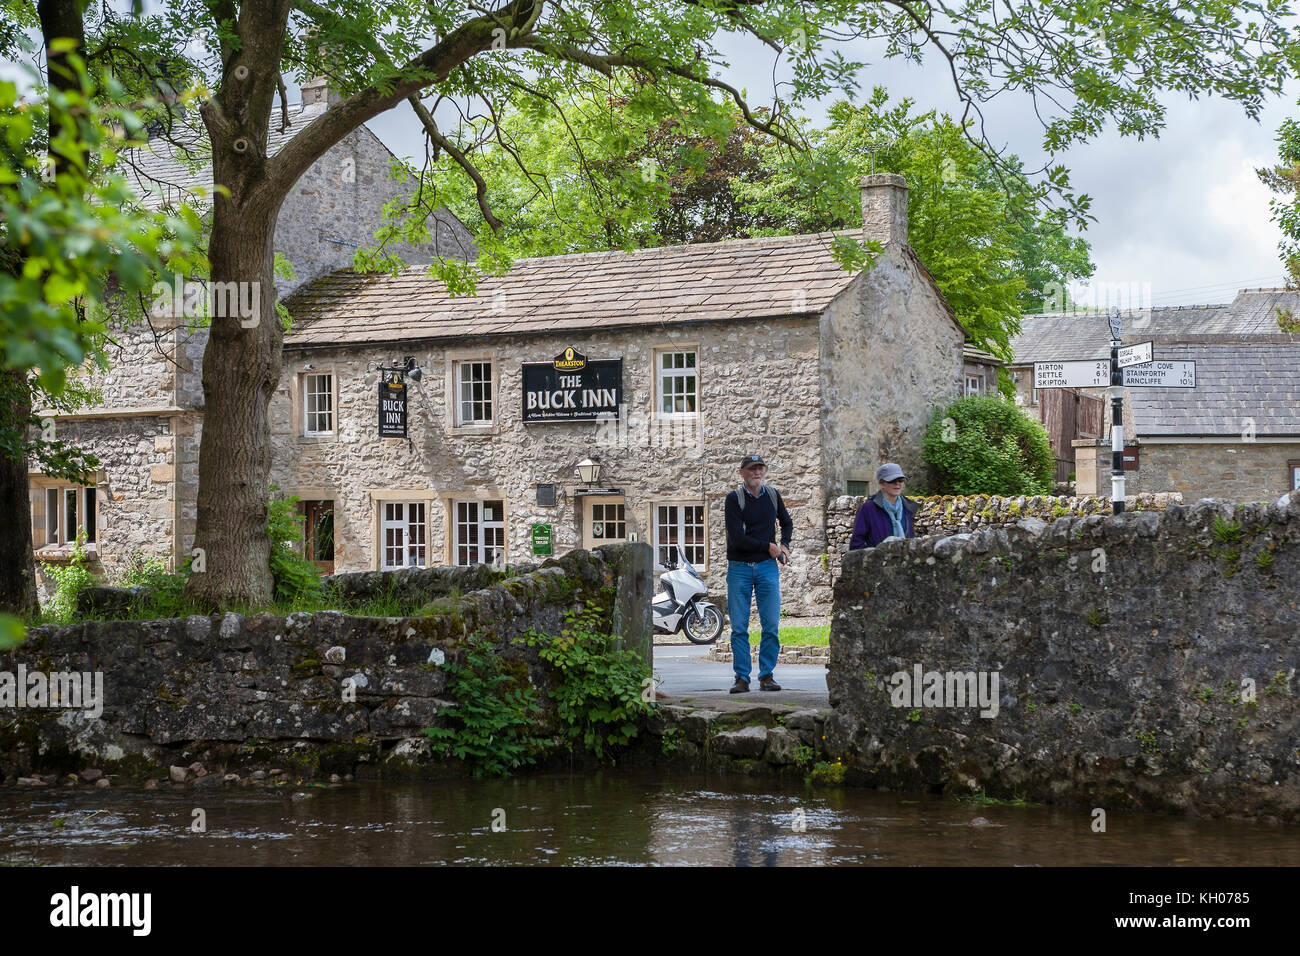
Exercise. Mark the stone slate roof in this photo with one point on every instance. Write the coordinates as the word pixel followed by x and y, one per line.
pixel 1257 379
pixel 165 170
pixel 1078 336
pixel 738 279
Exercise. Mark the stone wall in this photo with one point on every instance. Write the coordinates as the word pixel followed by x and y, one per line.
pixel 236 693
pixel 647 462
pixel 134 502
pixel 882 379
pixel 1144 661
pixel 1242 471
pixel 956 514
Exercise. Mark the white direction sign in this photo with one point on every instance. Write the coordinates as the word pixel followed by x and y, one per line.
pixel 1090 374
pixel 1161 375
pixel 1135 355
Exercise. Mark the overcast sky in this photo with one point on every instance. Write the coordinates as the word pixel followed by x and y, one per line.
pixel 1183 215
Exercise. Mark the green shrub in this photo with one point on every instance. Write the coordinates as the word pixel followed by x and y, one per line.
pixel 598 688
pixel 496 712
pixel 981 445
pixel 69 581
pixel 297 580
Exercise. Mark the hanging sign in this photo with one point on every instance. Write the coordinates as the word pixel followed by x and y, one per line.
pixel 392 407
pixel 572 388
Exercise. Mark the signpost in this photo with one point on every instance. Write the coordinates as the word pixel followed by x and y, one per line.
pixel 1135 355
pixel 1161 375
pixel 1130 366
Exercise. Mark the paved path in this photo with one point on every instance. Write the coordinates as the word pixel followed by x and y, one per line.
pixel 688 675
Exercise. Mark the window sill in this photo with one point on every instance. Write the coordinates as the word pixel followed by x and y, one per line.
pixel 474 431
pixel 317 439
pixel 60 553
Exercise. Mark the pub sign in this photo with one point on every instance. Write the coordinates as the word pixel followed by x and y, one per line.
pixel 572 388
pixel 392 407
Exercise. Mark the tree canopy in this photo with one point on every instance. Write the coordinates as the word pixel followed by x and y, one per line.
pixel 1082 65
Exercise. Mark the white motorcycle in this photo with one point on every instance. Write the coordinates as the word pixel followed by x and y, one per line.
pixel 678 608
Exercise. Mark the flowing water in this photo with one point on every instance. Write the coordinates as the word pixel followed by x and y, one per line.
pixel 630 818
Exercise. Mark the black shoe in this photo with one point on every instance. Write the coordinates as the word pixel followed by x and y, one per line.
pixel 767 683
pixel 740 687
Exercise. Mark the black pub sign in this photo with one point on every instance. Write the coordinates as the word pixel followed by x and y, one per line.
pixel 392 407
pixel 572 388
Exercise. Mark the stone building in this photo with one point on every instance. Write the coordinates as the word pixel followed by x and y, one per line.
pixel 662 367
pixel 147 426
pixel 1236 434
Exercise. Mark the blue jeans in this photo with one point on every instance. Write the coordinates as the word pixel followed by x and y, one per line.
pixel 743 580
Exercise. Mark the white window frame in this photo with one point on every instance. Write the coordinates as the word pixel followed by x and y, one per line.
pixel 57 492
pixel 458 369
pixel 977 381
pixel 475 509
pixel 679 526
pixel 661 374
pixel 308 395
pixel 410 521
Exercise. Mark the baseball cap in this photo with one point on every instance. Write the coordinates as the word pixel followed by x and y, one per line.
pixel 889 471
pixel 750 460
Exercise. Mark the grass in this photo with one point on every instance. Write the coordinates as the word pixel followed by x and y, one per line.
pixel 806 634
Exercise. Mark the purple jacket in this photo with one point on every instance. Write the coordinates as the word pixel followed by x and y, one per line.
pixel 873 525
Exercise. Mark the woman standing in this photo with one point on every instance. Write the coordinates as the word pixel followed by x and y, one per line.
pixel 886 513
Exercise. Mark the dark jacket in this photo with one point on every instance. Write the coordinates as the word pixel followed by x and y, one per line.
pixel 873 525
pixel 751 528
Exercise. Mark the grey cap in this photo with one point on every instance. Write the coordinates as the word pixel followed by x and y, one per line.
pixel 889 471
pixel 752 460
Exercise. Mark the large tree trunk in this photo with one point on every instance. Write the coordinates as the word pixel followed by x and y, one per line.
pixel 17 568
pixel 241 368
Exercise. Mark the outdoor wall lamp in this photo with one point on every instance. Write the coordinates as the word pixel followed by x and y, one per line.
pixel 408 368
pixel 589 471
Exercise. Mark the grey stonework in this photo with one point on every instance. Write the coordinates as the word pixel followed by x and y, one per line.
pixel 961 514
pixel 1124 688
pixel 148 486
pixel 740 411
pixel 264 691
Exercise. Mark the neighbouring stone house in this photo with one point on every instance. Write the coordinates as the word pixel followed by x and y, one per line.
pixel 146 429
pixel 662 367
pixel 1236 434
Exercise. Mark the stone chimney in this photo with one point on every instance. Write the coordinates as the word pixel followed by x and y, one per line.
pixel 317 90
pixel 884 207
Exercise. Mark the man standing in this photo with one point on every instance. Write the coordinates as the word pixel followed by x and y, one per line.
pixel 752 511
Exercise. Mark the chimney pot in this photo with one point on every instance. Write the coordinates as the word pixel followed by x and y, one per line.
pixel 884 207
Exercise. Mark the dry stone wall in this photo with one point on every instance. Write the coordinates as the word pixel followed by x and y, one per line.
pixel 957 514
pixel 238 693
pixel 1139 661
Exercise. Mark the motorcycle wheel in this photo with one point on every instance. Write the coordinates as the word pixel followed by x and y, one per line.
pixel 702 624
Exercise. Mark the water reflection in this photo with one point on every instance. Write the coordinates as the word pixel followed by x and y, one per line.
pixel 600 819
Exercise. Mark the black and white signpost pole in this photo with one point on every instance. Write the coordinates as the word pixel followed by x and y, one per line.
pixel 1116 392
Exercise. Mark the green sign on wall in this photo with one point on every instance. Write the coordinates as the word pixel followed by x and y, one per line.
pixel 541 539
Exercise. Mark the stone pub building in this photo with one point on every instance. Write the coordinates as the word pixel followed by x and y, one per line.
pixel 606 397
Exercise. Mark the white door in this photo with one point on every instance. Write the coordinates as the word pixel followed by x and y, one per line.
pixel 402 534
